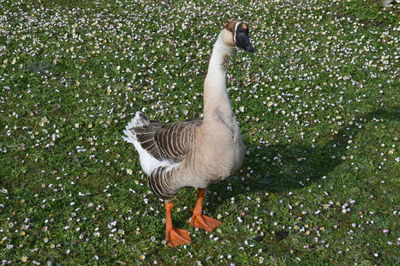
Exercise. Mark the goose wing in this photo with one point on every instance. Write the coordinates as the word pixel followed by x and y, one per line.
pixel 166 141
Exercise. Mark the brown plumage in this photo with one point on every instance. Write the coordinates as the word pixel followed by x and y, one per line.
pixel 167 141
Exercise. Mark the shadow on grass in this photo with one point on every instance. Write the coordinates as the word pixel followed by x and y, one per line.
pixel 284 168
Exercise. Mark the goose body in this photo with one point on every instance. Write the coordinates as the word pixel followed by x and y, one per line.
pixel 197 152
pixel 185 153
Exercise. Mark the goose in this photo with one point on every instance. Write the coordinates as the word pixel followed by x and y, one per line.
pixel 198 152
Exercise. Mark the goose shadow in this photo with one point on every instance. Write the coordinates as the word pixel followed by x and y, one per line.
pixel 283 168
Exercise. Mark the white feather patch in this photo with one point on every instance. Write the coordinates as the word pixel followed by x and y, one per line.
pixel 147 161
pixel 234 35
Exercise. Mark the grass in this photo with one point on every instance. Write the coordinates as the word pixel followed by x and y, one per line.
pixel 318 105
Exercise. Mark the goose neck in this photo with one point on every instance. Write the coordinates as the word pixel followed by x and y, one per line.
pixel 216 100
pixel 220 58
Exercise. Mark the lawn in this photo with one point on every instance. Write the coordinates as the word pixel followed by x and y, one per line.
pixel 318 104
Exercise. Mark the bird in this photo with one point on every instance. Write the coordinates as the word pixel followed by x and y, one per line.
pixel 198 152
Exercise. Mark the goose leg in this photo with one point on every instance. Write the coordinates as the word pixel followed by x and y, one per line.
pixel 174 236
pixel 198 219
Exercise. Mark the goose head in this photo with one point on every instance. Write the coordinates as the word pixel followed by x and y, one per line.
pixel 236 34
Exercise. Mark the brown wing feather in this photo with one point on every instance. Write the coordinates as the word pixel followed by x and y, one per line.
pixel 167 141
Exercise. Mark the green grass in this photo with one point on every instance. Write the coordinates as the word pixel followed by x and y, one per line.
pixel 318 105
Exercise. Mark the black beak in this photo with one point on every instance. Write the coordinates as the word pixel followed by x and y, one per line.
pixel 249 48
pixel 243 41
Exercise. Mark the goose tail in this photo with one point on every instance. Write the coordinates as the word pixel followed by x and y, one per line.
pixel 139 120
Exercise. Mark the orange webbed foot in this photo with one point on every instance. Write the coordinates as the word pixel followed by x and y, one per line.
pixel 176 237
pixel 204 222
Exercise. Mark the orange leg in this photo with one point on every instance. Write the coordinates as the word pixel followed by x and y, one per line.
pixel 174 236
pixel 198 219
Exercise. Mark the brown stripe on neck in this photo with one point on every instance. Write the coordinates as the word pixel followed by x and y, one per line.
pixel 226 59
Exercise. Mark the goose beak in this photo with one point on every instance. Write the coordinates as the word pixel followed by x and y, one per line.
pixel 243 42
pixel 242 39
pixel 249 48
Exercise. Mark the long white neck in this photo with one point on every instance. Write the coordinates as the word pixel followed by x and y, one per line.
pixel 216 99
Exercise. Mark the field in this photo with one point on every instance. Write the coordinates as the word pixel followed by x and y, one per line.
pixel 318 104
